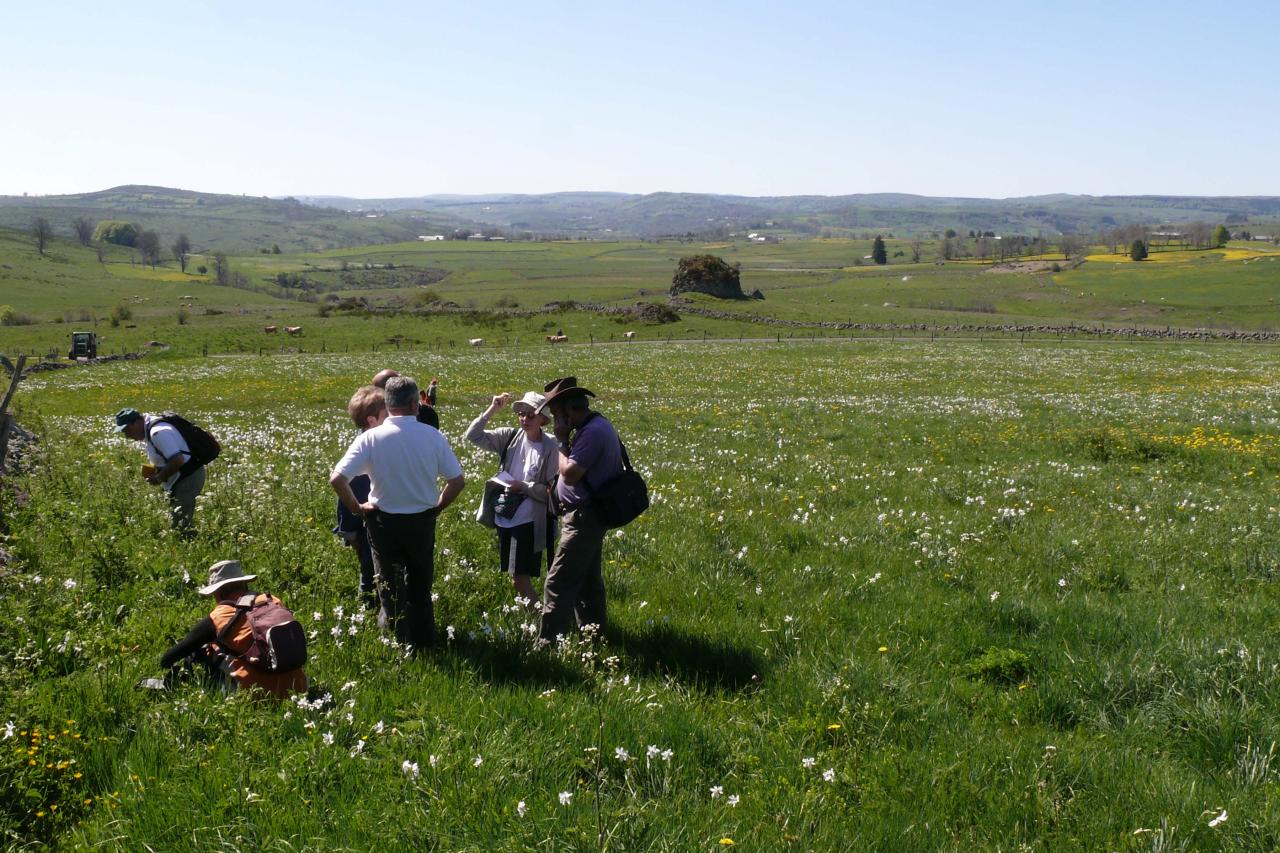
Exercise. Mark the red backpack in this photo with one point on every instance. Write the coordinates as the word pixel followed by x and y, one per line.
pixel 277 642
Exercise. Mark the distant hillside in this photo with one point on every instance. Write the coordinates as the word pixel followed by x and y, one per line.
pixel 245 224
pixel 620 214
pixel 231 223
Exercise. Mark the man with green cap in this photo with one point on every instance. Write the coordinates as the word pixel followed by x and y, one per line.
pixel 170 463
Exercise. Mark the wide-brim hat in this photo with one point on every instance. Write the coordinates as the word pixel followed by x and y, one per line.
pixel 222 573
pixel 531 402
pixel 563 388
pixel 124 417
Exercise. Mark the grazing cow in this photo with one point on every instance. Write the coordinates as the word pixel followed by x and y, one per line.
pixel 475 342
pixel 270 330
pixel 293 330
pixel 557 339
pixel 628 335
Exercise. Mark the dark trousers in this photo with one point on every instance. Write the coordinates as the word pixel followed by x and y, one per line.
pixel 575 581
pixel 364 553
pixel 404 562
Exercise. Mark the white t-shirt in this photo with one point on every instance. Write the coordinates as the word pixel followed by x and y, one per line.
pixel 403 459
pixel 165 441
pixel 523 463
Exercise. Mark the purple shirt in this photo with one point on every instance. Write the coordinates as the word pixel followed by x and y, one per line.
pixel 597 449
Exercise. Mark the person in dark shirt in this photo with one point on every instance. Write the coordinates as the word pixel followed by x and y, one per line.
pixel 426 399
pixel 367 408
pixel 590 456
pixel 219 660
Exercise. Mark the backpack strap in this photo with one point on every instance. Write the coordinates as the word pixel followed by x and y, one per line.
pixel 164 419
pixel 243 605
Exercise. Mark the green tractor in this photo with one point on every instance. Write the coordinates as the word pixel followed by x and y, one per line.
pixel 83 345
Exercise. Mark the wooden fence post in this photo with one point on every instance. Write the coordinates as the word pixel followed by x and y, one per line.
pixel 6 419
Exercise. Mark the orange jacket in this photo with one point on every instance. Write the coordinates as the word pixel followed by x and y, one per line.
pixel 278 684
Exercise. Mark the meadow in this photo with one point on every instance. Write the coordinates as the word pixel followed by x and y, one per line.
pixel 907 595
pixel 500 291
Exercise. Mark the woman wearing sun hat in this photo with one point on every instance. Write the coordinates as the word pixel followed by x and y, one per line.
pixel 520 510
pixel 217 648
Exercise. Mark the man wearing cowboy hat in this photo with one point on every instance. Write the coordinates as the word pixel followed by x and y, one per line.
pixel 590 456
pixel 404 460
pixel 220 658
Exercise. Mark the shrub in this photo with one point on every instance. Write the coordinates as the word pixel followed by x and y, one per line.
pixel 116 231
pixel 999 666
pixel 120 313
pixel 11 317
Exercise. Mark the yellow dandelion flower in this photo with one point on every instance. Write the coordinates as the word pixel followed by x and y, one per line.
pixel 727 842
pixel 834 727
pixel 39 814
pixel 884 649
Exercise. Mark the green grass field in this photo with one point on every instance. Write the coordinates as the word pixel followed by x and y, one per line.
pixel 890 596
pixel 803 281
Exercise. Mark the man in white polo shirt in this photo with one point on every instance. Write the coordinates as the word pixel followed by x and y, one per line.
pixel 169 463
pixel 404 460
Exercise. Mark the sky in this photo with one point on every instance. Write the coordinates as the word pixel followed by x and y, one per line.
pixel 392 99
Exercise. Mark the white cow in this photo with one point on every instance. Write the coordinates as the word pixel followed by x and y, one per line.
pixel 475 342
pixel 628 335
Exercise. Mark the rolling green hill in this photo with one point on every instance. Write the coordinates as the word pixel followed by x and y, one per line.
pixel 228 223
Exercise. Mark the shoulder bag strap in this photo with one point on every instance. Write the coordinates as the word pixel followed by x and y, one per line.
pixel 502 457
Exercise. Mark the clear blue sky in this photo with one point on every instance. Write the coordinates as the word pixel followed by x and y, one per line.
pixel 378 99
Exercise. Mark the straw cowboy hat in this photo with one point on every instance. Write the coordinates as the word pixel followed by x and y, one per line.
pixel 563 388
pixel 222 573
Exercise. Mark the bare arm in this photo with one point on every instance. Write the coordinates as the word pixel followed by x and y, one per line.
pixel 452 488
pixel 342 486
pixel 570 472
pixel 170 468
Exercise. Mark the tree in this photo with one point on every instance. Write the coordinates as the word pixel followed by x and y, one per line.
pixel 115 231
pixel 182 251
pixel 221 269
pixel 42 231
pixel 1071 244
pixel 148 243
pixel 1220 236
pixel 100 249
pixel 878 253
pixel 1138 250
pixel 951 233
pixel 917 245
pixel 84 231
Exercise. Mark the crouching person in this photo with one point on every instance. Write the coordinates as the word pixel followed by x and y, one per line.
pixel 248 641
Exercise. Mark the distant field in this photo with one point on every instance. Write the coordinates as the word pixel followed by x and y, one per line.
pixel 803 282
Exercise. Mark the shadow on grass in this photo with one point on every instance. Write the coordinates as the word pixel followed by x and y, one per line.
pixel 693 660
pixel 502 663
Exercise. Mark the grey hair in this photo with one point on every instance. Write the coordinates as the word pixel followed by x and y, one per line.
pixel 401 393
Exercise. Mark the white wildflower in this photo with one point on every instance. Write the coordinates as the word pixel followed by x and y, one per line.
pixel 409 768
pixel 716 791
pixel 521 808
pixel 327 737
pixel 566 797
pixel 829 775
pixel 1221 818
